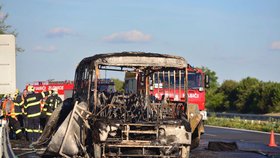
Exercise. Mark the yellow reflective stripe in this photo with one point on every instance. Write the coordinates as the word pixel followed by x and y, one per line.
pixel 21 103
pixel 45 109
pixel 18 131
pixel 32 104
pixel 49 113
pixel 18 113
pixel 37 130
pixel 28 130
pixel 31 99
pixel 34 115
pixel 43 94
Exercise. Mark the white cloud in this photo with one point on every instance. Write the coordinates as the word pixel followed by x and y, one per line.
pixel 47 49
pixel 129 36
pixel 275 45
pixel 59 32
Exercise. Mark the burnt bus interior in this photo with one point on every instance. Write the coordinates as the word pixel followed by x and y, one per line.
pixel 131 106
pixel 126 124
pixel 100 102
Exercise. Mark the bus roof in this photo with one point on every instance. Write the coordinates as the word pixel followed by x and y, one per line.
pixel 135 59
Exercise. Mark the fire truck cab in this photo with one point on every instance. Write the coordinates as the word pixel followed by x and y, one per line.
pixel 198 82
pixel 170 85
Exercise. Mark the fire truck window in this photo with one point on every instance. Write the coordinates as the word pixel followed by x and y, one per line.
pixel 182 80
pixel 177 80
pixel 158 80
pixel 194 80
pixel 168 80
pixel 68 94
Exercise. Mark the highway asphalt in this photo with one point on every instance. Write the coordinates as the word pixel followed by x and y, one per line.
pixel 250 144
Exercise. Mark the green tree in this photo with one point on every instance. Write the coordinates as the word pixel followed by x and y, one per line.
pixel 275 97
pixel 270 97
pixel 118 84
pixel 3 26
pixel 213 77
pixel 229 90
pixel 247 94
pixel 214 99
pixel 6 29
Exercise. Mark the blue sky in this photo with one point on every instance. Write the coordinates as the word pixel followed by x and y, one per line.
pixel 235 38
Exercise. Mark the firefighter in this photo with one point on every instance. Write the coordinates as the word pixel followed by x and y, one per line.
pixel 9 112
pixel 23 96
pixel 51 104
pixel 19 103
pixel 32 108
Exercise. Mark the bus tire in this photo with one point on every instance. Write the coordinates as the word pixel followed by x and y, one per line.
pixel 195 138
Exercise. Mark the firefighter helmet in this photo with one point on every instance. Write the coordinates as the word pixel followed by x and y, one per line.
pixel 30 89
pixel 16 93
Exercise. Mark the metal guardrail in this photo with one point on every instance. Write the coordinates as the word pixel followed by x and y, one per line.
pixel 6 150
pixel 245 116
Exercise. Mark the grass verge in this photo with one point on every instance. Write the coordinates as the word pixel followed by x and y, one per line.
pixel 265 126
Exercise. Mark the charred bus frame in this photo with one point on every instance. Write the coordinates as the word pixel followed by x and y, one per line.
pixel 126 125
pixel 131 137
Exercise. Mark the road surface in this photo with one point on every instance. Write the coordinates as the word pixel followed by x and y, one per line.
pixel 246 141
pixel 250 144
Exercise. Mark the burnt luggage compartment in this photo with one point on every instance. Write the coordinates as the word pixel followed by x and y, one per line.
pixel 118 124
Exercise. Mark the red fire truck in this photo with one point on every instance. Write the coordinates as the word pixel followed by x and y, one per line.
pixel 65 88
pixel 174 92
pixel 198 81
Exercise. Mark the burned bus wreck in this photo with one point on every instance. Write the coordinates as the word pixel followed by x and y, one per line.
pixel 94 123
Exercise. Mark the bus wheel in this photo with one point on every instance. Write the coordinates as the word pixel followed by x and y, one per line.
pixel 195 137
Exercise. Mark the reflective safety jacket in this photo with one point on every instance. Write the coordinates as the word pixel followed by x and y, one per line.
pixel 19 103
pixel 8 108
pixel 32 105
pixel 51 103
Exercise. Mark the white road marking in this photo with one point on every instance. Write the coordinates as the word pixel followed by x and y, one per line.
pixel 211 135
